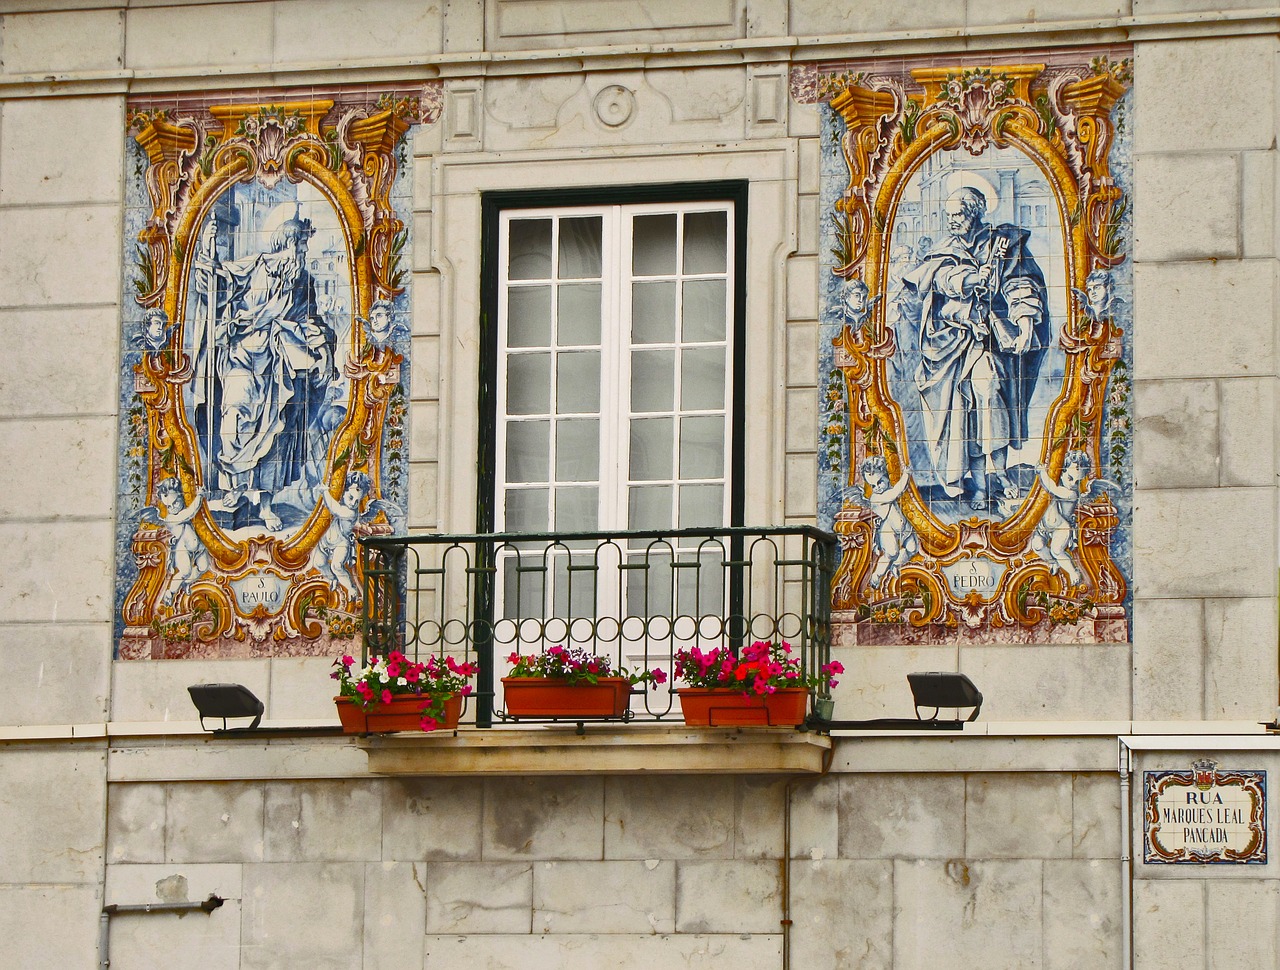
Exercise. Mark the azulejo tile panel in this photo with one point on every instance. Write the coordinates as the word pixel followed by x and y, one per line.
pixel 975 360
pixel 264 400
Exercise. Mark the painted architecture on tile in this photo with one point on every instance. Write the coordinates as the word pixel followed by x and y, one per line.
pixel 1001 316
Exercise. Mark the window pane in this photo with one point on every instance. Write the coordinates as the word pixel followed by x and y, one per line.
pixel 526 510
pixel 528 383
pixel 700 588
pixel 529 316
pixel 653 375
pixel 701 506
pixel 579 321
pixel 530 249
pixel 705 242
pixel 649 585
pixel 528 451
pixel 651 449
pixel 704 311
pixel 702 447
pixel 578 450
pixel 653 313
pixel 578 382
pixel 649 507
pixel 576 509
pixel 653 245
pixel 702 378
pixel 580 248
pixel 523 590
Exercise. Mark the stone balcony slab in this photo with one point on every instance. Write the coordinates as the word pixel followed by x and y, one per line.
pixel 562 751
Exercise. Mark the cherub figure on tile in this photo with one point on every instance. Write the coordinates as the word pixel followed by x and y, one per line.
pixel 188 558
pixel 895 538
pixel 1098 300
pixel 1054 538
pixel 336 548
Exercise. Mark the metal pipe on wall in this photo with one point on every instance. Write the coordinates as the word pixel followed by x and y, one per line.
pixel 116 909
pixel 1125 768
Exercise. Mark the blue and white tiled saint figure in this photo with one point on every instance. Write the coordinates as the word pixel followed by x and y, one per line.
pixel 266 391
pixel 978 302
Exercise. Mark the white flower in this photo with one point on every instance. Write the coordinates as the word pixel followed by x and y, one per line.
pixel 402 682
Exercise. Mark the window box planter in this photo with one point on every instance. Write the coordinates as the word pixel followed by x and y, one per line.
pixel 731 707
pixel 547 697
pixel 404 713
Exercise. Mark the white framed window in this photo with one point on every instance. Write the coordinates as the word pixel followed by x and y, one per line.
pixel 616 331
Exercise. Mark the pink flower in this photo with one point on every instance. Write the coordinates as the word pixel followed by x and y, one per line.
pixel 386 696
pixel 659 675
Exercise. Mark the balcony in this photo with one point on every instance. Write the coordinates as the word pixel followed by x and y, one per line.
pixel 635 597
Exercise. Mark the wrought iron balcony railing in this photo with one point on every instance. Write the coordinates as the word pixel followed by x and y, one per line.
pixel 635 597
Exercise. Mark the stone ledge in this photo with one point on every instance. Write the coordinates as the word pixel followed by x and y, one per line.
pixel 562 751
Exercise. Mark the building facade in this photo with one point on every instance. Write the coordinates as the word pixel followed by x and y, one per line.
pixel 987 290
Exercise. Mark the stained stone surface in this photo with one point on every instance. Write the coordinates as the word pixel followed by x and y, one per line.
pixel 326 898
pixel 214 823
pixel 901 816
pixel 989 912
pixel 638 823
pixel 605 897
pixel 431 819
pixel 322 821
pixel 479 898
pixel 1084 900
pixel 728 897
pixel 51 809
pixel 543 818
pixel 828 930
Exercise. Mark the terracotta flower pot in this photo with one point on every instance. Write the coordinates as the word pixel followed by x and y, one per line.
pixel 729 707
pixel 404 713
pixel 542 697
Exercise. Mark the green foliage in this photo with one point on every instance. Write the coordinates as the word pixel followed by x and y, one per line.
pixel 145 281
pixel 910 118
pixel 842 223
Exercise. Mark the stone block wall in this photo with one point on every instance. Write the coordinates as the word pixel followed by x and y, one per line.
pixel 1004 869
pixel 1205 271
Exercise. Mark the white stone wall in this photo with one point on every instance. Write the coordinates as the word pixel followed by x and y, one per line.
pixel 1008 859
pixel 1205 270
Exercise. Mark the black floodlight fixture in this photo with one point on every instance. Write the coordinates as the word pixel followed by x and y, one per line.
pixel 938 689
pixel 224 701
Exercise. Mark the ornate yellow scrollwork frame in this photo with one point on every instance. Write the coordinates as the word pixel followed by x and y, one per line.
pixel 1061 121
pixel 193 161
